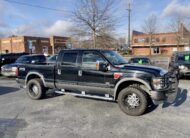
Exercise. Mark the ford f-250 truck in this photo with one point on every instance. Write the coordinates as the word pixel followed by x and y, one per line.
pixel 101 74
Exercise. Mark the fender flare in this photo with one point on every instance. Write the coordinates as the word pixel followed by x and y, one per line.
pixel 35 73
pixel 128 80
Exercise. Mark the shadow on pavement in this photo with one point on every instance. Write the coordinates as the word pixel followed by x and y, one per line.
pixel 51 94
pixel 150 108
pixel 6 90
pixel 180 98
pixel 9 128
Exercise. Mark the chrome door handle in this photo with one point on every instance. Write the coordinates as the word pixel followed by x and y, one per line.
pixel 59 71
pixel 80 73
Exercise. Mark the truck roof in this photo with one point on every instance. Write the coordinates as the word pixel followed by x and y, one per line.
pixel 85 49
pixel 182 52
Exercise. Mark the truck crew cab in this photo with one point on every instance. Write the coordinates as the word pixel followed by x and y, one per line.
pixel 101 74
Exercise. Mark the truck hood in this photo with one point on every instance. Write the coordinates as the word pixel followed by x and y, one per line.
pixel 10 65
pixel 156 71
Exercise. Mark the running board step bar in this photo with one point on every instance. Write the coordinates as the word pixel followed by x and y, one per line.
pixel 83 94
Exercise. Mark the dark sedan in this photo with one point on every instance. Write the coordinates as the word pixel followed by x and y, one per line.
pixel 52 59
pixel 9 70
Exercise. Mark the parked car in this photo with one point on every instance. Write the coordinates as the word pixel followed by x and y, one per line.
pixel 10 58
pixel 180 61
pixel 9 69
pixel 140 60
pixel 96 74
pixel 52 59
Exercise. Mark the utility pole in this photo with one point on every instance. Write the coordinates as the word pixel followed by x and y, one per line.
pixel 129 23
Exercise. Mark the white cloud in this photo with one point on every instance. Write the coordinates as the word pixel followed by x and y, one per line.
pixel 40 28
pixel 176 8
pixel 60 27
pixel 27 29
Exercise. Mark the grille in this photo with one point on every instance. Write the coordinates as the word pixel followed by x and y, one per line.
pixel 168 80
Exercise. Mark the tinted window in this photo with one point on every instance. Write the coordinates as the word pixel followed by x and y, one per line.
pixel 140 60
pixel 184 57
pixel 69 58
pixel 114 57
pixel 22 59
pixel 53 58
pixel 89 60
pixel 40 58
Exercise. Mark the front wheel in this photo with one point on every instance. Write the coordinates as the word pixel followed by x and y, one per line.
pixel 133 101
pixel 35 89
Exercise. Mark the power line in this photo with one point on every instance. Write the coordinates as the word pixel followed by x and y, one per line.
pixel 35 6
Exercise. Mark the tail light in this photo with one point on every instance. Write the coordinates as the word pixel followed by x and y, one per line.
pixel 17 72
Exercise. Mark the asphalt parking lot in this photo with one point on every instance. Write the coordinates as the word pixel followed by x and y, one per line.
pixel 68 116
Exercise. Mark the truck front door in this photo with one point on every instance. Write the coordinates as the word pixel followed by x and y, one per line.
pixel 89 79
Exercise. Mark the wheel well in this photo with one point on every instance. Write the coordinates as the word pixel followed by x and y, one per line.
pixel 32 76
pixel 128 83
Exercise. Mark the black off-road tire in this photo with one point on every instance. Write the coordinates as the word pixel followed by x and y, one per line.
pixel 39 86
pixel 126 108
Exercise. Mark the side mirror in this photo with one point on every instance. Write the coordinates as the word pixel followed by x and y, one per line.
pixel 101 66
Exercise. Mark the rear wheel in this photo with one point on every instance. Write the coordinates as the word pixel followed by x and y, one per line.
pixel 35 89
pixel 133 100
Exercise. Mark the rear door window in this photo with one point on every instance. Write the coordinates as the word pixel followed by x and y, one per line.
pixel 69 58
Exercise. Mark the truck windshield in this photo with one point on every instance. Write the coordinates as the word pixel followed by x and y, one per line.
pixel 114 58
pixel 184 58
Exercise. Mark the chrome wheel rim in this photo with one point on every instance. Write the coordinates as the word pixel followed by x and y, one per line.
pixel 34 90
pixel 133 100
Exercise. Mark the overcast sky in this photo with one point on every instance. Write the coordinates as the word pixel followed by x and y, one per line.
pixel 18 19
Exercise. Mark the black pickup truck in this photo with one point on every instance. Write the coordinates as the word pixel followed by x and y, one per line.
pixel 100 74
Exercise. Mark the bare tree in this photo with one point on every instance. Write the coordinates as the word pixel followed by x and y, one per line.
pixel 94 17
pixel 150 27
pixel 175 26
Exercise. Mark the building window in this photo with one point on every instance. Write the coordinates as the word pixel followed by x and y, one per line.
pixel 141 40
pixel 157 39
pixel 135 40
pixel 153 39
pixel 164 39
pixel 147 40
pixel 156 50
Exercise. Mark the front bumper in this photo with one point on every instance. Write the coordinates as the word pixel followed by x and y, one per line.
pixel 168 94
pixel 184 72
pixel 8 73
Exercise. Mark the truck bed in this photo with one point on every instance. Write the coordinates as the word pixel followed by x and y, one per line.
pixel 44 69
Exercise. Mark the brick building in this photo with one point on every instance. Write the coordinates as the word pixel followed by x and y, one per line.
pixel 29 44
pixel 160 43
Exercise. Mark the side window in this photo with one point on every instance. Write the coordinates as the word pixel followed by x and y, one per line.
pixel 39 58
pixel 69 58
pixel 89 60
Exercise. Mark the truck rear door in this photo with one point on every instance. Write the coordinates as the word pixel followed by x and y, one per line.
pixel 66 72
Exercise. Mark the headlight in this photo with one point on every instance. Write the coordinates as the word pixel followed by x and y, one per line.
pixel 182 67
pixel 157 83
pixel 14 69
